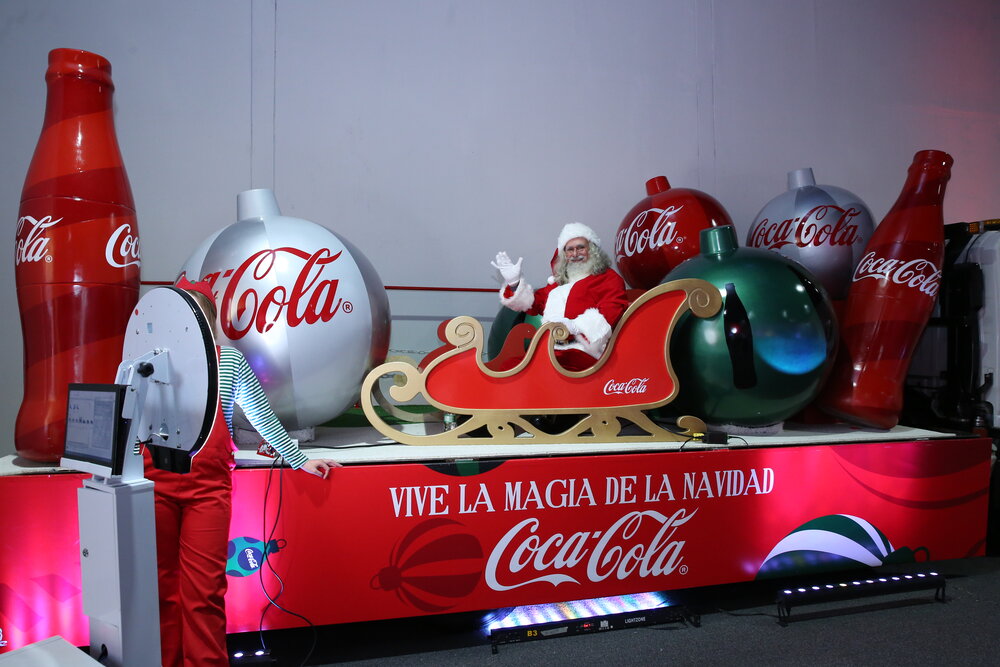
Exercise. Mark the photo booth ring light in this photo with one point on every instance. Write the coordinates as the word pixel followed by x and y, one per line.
pixel 182 395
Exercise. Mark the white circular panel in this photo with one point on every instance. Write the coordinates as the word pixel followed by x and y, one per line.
pixel 184 409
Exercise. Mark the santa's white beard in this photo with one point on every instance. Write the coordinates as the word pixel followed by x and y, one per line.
pixel 577 270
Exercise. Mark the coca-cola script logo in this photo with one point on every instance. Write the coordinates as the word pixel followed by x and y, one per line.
pixel 311 298
pixel 640 543
pixel 634 239
pixel 32 245
pixel 920 274
pixel 633 386
pixel 251 559
pixel 808 230
pixel 122 248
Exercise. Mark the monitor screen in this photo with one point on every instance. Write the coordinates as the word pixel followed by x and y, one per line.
pixel 94 428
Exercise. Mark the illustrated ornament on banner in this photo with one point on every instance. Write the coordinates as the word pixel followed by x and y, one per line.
pixel 834 542
pixel 437 564
pixel 304 306
pixel 245 555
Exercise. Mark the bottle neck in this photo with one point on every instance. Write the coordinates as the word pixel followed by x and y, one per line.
pixel 925 186
pixel 73 96
pixel 77 153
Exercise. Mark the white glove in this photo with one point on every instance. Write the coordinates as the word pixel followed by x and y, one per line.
pixel 509 271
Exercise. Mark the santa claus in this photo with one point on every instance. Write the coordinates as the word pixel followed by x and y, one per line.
pixel 585 294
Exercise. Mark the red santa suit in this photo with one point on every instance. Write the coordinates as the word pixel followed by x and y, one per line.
pixel 592 305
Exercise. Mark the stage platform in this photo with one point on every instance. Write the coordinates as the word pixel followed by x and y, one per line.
pixel 364 445
pixel 403 531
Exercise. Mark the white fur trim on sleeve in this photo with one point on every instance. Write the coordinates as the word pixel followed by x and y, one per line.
pixel 522 299
pixel 594 327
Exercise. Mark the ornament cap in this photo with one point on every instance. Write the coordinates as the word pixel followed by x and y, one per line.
pixel 258 204
pixel 717 241
pixel 656 185
pixel 800 178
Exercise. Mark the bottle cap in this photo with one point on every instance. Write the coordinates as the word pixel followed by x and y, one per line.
pixel 932 160
pixel 82 64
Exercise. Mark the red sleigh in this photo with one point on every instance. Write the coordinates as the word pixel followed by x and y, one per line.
pixel 607 401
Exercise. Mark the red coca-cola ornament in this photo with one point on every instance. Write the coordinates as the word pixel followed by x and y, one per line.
pixel 891 297
pixel 661 231
pixel 76 258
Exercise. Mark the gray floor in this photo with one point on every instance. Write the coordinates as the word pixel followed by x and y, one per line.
pixel 738 625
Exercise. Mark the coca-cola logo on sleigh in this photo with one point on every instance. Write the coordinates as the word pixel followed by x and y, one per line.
pixel 32 243
pixel 920 274
pixel 809 229
pixel 640 543
pixel 633 386
pixel 312 297
pixel 635 239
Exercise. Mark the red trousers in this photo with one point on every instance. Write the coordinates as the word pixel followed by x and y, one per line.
pixel 192 535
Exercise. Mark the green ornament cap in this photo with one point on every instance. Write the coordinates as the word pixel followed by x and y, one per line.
pixel 718 241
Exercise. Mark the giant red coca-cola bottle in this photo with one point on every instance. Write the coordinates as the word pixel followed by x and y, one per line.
pixel 891 297
pixel 76 252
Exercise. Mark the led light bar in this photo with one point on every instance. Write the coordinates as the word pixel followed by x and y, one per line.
pixel 561 619
pixel 858 588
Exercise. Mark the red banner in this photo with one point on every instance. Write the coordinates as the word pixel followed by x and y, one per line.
pixel 390 541
pixel 396 540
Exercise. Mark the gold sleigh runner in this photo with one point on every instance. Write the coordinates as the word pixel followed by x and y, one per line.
pixel 604 403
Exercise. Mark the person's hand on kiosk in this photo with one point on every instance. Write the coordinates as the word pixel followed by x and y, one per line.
pixel 319 467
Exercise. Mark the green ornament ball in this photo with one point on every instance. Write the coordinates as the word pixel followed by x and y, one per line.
pixel 766 354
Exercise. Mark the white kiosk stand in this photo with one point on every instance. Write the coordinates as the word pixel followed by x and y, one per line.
pixel 165 396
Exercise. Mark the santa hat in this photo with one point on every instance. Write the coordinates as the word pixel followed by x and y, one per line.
pixel 575 230
pixel 202 287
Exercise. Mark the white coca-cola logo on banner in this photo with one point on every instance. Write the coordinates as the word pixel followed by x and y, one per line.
pixel 122 248
pixel 920 274
pixel 311 299
pixel 631 240
pixel 628 547
pixel 251 560
pixel 809 229
pixel 633 386
pixel 33 246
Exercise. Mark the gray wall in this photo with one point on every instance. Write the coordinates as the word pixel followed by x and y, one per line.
pixel 432 133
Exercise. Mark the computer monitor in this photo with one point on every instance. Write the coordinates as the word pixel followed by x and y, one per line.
pixel 95 429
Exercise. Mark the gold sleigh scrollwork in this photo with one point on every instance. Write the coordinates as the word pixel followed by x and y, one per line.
pixel 629 423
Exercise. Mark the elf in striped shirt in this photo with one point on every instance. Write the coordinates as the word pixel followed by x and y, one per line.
pixel 193 510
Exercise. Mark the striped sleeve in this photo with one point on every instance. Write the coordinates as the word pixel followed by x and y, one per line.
pixel 236 375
